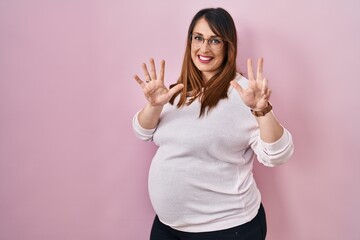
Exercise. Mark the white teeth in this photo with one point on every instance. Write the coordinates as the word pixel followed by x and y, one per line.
pixel 204 58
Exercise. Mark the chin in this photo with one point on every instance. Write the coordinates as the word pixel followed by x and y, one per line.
pixel 203 68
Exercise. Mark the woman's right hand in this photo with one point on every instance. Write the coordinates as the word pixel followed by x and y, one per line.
pixel 154 88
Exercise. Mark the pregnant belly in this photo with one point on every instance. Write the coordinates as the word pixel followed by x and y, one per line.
pixel 187 193
pixel 171 191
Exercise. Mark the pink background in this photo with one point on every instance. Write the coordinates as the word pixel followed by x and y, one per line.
pixel 70 166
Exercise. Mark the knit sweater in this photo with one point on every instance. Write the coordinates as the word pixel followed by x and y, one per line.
pixel 201 178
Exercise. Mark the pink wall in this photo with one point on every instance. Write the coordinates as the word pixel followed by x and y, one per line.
pixel 70 167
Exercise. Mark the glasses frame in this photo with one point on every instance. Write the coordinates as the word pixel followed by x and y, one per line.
pixel 211 45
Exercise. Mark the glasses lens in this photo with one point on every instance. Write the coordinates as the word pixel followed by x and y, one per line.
pixel 215 43
pixel 197 40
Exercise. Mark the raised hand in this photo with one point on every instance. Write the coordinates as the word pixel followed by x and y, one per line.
pixel 154 89
pixel 257 95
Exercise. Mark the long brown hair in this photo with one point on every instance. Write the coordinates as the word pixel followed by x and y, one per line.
pixel 211 92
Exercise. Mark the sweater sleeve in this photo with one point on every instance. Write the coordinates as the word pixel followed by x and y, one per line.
pixel 273 154
pixel 140 132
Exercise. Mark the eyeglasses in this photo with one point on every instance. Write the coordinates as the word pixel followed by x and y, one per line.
pixel 215 43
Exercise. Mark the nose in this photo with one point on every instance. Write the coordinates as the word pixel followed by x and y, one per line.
pixel 205 46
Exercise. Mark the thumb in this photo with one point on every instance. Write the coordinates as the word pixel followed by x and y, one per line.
pixel 175 89
pixel 237 87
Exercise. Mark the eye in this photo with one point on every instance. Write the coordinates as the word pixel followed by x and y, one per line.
pixel 215 41
pixel 198 38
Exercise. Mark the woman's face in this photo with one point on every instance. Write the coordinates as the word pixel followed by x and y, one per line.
pixel 207 57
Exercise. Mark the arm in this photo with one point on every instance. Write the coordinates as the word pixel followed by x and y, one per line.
pixel 256 96
pixel 270 128
pixel 274 153
pixel 271 142
pixel 149 116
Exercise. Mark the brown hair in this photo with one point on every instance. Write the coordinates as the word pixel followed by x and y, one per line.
pixel 222 24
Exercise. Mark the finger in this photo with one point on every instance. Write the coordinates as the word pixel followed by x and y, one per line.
pixel 152 69
pixel 266 97
pixel 139 81
pixel 237 87
pixel 146 72
pixel 268 94
pixel 250 70
pixel 264 87
pixel 162 70
pixel 175 89
pixel 259 74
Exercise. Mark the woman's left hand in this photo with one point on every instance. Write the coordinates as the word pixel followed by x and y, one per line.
pixel 257 95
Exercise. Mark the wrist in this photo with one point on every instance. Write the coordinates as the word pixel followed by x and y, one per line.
pixel 154 107
pixel 263 112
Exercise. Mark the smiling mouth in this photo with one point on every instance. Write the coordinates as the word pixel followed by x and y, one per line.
pixel 204 59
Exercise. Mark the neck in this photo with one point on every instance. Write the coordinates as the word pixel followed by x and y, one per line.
pixel 206 76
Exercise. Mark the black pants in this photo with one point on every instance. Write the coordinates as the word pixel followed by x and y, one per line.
pixel 253 230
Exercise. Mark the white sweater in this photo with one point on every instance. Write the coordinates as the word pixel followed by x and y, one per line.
pixel 201 176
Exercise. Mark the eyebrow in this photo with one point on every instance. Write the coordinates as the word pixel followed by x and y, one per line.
pixel 203 34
